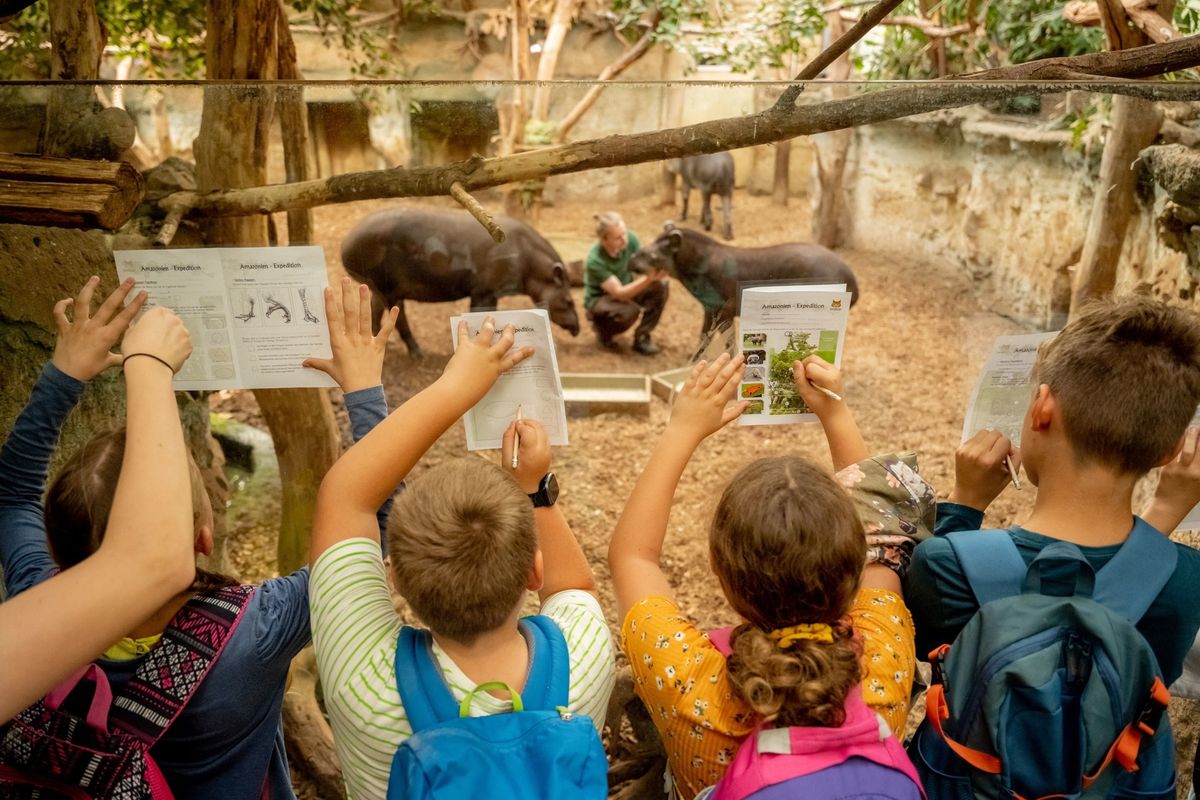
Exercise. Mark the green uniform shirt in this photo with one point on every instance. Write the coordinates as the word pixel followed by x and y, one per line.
pixel 600 266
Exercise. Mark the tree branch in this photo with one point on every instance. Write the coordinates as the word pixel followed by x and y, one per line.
pixel 1050 76
pixel 477 211
pixel 1143 13
pixel 830 54
pixel 930 29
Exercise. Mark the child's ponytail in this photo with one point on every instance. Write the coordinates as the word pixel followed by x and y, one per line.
pixel 796 681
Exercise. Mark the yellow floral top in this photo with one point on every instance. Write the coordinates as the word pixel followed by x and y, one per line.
pixel 681 677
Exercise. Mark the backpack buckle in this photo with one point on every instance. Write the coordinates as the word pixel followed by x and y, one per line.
pixel 936 657
pixel 1150 716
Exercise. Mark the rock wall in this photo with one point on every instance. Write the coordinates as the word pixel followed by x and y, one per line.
pixel 1001 199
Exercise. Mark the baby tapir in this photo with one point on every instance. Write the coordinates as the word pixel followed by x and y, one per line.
pixel 711 174
pixel 711 270
pixel 434 255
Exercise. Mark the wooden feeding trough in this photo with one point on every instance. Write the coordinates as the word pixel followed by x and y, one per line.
pixel 589 393
pixel 665 384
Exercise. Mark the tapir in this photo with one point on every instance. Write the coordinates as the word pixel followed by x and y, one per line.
pixel 434 255
pixel 711 174
pixel 711 270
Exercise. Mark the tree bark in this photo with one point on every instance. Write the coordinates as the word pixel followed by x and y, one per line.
pixel 231 152
pixel 293 127
pixel 783 167
pixel 609 73
pixel 310 744
pixel 829 223
pixel 1049 76
pixel 1135 125
pixel 68 191
pixel 78 43
pixel 560 24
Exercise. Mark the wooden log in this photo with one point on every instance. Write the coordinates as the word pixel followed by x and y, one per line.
pixel 307 736
pixel 1142 13
pixel 68 192
pixel 1176 169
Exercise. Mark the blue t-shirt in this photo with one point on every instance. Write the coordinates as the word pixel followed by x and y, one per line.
pixel 228 742
pixel 941 600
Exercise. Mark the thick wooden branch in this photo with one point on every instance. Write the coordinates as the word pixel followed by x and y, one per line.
pixel 477 211
pixel 1143 13
pixel 843 43
pixel 925 26
pixel 71 192
pixel 1048 76
pixel 609 73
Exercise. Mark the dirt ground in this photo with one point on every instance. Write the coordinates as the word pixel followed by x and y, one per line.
pixel 914 346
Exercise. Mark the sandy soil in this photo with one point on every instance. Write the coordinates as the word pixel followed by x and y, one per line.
pixel 916 341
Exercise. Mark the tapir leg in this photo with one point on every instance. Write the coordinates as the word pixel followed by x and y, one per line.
pixel 410 341
pixel 727 207
pixel 686 189
pixel 706 209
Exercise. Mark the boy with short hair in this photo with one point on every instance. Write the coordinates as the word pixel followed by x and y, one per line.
pixel 1115 392
pixel 466 544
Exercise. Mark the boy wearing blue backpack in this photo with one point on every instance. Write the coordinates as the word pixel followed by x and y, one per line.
pixel 1052 641
pixel 481 702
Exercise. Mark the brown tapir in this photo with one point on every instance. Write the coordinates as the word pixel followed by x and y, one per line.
pixel 434 255
pixel 711 270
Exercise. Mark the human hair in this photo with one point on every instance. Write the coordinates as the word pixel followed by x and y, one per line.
pixel 788 549
pixel 462 543
pixel 80 500
pixel 1126 374
pixel 605 220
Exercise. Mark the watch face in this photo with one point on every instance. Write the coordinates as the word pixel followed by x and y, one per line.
pixel 550 489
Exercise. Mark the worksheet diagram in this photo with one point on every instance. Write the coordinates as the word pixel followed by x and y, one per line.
pixel 532 387
pixel 1005 386
pixel 254 313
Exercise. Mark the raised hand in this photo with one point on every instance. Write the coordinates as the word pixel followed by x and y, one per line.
pixel 479 361
pixel 357 361
pixel 85 341
pixel 1178 489
pixel 160 334
pixel 811 376
pixel 980 473
pixel 702 407
pixel 533 452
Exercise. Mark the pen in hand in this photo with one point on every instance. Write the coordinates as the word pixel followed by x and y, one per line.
pixel 516 439
pixel 1012 472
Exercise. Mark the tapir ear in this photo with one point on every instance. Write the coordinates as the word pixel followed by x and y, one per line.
pixel 675 238
pixel 560 273
pixel 669 225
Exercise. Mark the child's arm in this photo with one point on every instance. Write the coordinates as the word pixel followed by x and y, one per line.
pixel 980 473
pixel 701 408
pixel 563 562
pixel 368 472
pixel 357 366
pixel 846 445
pixel 1178 489
pixel 72 617
pixel 81 352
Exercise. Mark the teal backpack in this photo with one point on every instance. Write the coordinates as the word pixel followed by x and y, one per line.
pixel 539 750
pixel 1050 690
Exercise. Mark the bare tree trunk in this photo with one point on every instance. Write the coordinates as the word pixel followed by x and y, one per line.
pixel 783 167
pixel 1135 124
pixel 231 152
pixel 293 126
pixel 560 24
pixel 609 73
pixel 670 116
pixel 310 740
pixel 829 223
pixel 78 40
pixel 519 113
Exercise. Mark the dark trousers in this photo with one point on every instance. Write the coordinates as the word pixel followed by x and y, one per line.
pixel 610 316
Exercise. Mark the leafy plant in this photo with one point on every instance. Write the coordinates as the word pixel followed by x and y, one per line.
pixel 784 399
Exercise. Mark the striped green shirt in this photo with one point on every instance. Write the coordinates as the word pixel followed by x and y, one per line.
pixel 355 629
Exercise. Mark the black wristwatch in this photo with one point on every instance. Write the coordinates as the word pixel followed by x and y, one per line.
pixel 547 492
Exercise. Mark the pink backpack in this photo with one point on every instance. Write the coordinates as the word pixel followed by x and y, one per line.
pixel 860 758
pixel 49 751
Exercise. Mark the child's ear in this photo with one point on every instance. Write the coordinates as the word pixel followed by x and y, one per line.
pixel 1043 408
pixel 1175 451
pixel 537 573
pixel 204 540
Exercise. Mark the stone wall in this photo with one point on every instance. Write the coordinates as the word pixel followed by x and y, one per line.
pixel 1001 199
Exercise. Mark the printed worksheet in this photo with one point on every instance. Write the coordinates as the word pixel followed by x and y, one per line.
pixel 1192 521
pixel 254 313
pixel 780 325
pixel 1005 385
pixel 533 386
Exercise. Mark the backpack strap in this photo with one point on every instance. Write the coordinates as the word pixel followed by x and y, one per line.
pixel 548 685
pixel 426 697
pixel 1130 582
pixel 171 673
pixel 990 562
pixel 428 700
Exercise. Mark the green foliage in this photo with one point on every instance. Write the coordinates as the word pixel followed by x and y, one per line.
pixel 676 14
pixel 784 399
pixel 775 30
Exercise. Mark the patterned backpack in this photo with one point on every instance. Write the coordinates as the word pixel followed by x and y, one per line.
pixel 49 750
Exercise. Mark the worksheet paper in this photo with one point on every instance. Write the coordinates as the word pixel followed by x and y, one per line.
pixel 1005 386
pixel 1192 523
pixel 254 313
pixel 779 325
pixel 533 386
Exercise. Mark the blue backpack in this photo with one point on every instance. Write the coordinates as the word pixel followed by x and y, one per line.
pixel 1050 689
pixel 540 750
